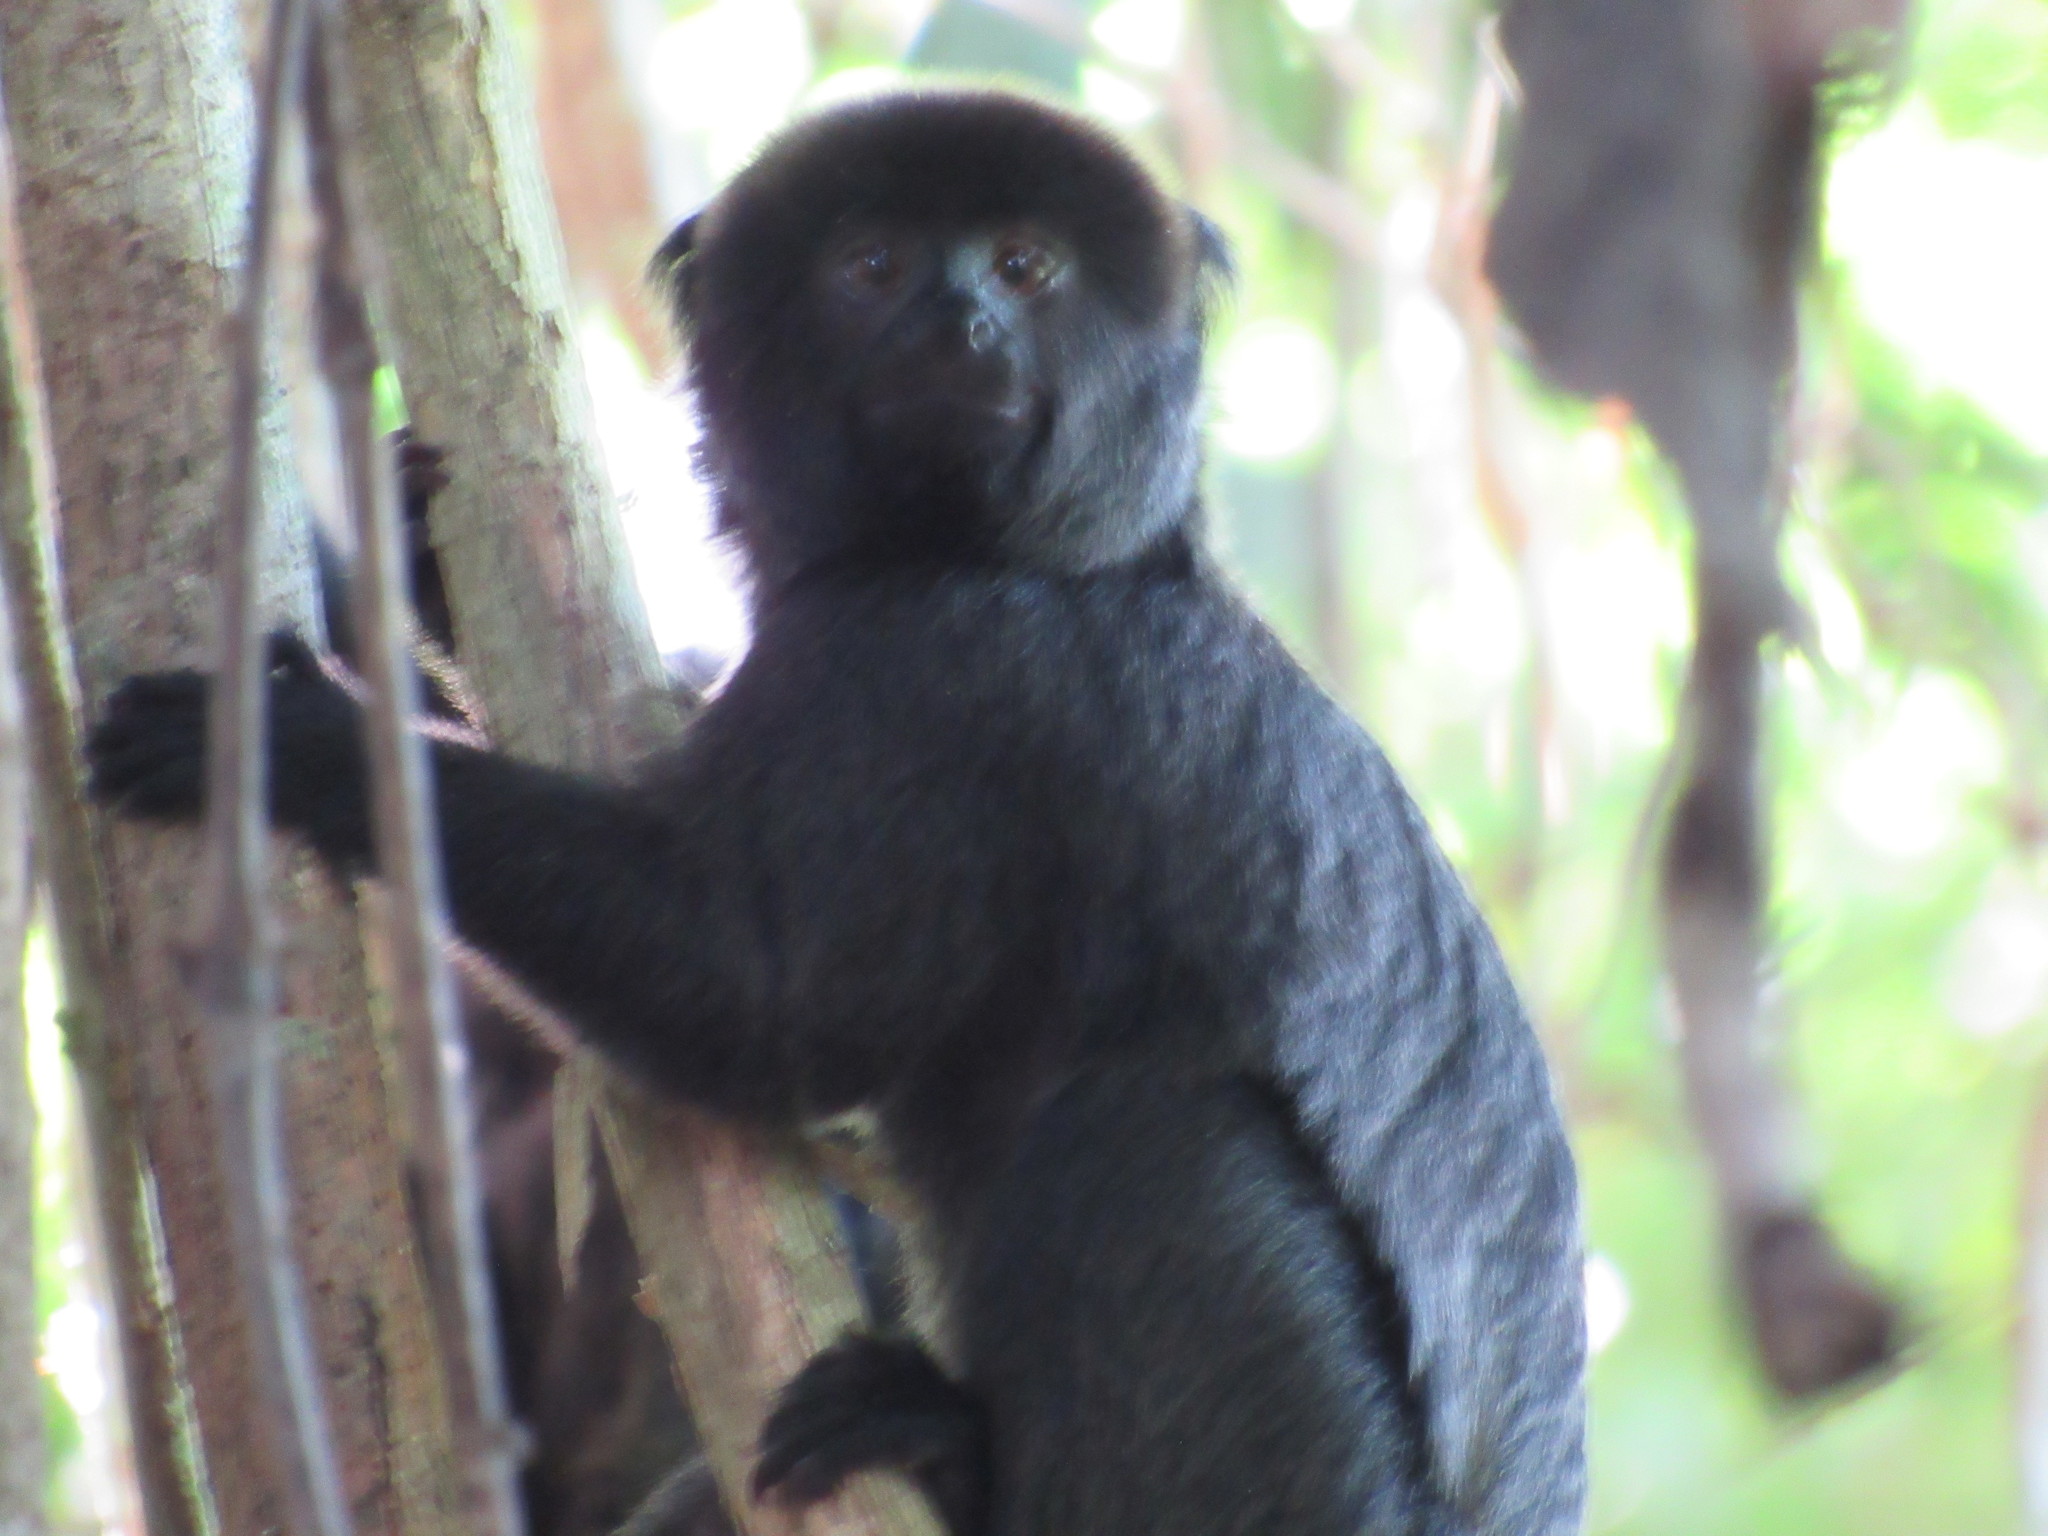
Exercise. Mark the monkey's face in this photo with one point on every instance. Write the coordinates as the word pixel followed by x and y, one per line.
pixel 951 327
pixel 941 334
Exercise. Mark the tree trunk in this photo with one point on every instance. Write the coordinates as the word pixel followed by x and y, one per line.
pixel 123 1207
pixel 478 306
pixel 130 125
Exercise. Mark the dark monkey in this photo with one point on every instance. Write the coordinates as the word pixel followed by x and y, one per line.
pixel 1252 1209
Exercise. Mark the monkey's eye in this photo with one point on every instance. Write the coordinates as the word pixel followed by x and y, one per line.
pixel 871 268
pixel 1024 268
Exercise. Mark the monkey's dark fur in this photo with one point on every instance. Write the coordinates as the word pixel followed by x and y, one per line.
pixel 1251 1205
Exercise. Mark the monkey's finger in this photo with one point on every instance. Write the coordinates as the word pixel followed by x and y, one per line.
pixel 290 657
pixel 416 456
pixel 799 1442
pixel 866 1401
pixel 422 475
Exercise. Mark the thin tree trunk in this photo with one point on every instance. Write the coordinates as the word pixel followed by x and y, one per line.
pixel 476 297
pixel 130 124
pixel 477 301
pixel 145 1334
pixel 21 1398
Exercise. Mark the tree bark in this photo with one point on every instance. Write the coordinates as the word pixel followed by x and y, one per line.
pixel 477 301
pixel 476 298
pixel 124 1208
pixel 131 127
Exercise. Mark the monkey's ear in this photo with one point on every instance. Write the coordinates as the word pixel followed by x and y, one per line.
pixel 1213 256
pixel 670 267
pixel 1215 265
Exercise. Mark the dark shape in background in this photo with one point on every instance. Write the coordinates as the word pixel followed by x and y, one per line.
pixel 1650 245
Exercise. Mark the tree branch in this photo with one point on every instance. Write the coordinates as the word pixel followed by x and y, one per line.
pixel 421 993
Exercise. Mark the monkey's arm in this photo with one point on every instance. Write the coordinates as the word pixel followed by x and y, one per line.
pixel 587 892
pixel 1444 1141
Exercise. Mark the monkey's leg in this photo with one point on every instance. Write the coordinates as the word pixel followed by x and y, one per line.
pixel 1178 1332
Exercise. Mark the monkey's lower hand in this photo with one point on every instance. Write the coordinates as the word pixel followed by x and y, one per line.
pixel 147 754
pixel 877 1402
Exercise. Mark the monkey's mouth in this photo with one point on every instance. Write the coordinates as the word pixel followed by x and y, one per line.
pixel 952 421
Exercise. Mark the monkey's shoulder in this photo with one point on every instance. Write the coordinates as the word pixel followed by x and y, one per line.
pixel 1127 653
pixel 1127 709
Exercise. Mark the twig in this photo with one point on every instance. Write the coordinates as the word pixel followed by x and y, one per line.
pixel 2030 1349
pixel 595 143
pixel 422 990
pixel 74 865
pixel 1336 490
pixel 23 1445
pixel 236 972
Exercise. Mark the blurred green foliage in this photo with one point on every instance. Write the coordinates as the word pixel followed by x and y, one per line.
pixel 1983 64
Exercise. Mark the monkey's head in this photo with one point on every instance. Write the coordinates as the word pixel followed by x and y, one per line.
pixel 946 327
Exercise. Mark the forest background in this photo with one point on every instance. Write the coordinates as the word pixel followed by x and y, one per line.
pixel 1494 577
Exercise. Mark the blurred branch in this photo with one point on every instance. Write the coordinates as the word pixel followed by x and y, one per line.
pixel 1320 201
pixel 1337 491
pixel 420 992
pixel 595 147
pixel 2030 1366
pixel 23 1469
pixel 235 973
pixel 1458 272
pixel 1943 621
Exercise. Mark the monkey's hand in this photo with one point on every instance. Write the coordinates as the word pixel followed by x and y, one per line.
pixel 147 754
pixel 873 1402
pixel 422 475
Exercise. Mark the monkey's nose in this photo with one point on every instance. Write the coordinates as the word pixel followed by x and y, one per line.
pixel 963 319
